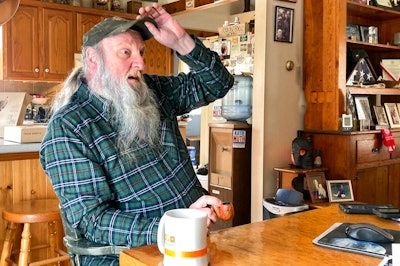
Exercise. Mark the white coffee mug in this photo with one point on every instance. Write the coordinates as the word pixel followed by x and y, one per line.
pixel 182 237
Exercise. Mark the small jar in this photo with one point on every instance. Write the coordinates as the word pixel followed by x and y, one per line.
pixel 318 159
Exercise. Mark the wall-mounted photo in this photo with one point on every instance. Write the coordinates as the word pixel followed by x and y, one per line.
pixel 340 190
pixel 283 24
pixel 317 186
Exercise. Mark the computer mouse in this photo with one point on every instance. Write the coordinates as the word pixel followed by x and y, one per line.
pixel 369 232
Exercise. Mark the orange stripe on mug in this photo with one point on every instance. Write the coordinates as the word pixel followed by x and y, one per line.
pixel 186 254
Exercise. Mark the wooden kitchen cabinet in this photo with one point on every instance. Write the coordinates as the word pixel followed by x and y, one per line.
pixel 230 169
pixel 38 44
pixel 84 22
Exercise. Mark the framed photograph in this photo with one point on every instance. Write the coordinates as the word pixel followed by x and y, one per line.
pixel 283 24
pixel 382 3
pixel 317 186
pixel 340 190
pixel 380 115
pixel 364 31
pixel 353 32
pixel 393 115
pixel 363 108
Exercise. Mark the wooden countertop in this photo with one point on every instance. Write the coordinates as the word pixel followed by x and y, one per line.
pixel 285 240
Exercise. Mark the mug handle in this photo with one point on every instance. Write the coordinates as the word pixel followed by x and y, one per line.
pixel 161 235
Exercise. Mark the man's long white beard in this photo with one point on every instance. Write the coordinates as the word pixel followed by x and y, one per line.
pixel 135 113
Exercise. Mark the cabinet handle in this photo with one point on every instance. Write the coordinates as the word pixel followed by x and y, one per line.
pixel 46 70
pixel 375 150
pixel 224 148
pixel 36 69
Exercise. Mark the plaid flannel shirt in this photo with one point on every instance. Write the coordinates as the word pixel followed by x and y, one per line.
pixel 112 199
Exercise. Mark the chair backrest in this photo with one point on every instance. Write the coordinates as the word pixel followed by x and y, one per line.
pixel 77 245
pixel 69 231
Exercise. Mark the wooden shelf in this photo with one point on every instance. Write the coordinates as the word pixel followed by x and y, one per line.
pixel 117 13
pixel 373 46
pixel 374 91
pixel 373 12
pixel 204 7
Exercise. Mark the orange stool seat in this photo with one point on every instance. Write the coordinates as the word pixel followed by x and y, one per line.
pixel 26 213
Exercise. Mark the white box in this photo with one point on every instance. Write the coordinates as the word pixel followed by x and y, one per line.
pixel 233 30
pixel 24 134
pixel 12 108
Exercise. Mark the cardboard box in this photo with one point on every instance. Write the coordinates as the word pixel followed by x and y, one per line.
pixel 12 109
pixel 24 134
pixel 234 30
pixel 133 7
pixel 202 2
pixel 196 3
pixel 175 6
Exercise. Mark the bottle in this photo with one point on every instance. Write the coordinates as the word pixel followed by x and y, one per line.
pixel 237 103
pixel 318 160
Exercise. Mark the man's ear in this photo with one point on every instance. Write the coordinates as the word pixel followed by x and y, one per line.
pixel 91 56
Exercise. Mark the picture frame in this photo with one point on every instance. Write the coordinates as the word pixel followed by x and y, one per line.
pixel 382 3
pixel 353 32
pixel 363 108
pixel 340 190
pixel 283 24
pixel 316 184
pixel 380 115
pixel 392 114
pixel 364 32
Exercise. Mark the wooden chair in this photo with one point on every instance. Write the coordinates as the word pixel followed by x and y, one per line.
pixel 24 214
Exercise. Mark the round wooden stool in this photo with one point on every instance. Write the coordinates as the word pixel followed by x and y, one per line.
pixel 25 213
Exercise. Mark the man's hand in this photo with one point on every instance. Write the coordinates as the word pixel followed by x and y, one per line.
pixel 204 203
pixel 168 31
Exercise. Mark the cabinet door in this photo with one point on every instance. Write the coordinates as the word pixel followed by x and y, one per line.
pixel 394 185
pixel 158 58
pixel 84 22
pixel 21 45
pixel 221 151
pixel 372 185
pixel 58 52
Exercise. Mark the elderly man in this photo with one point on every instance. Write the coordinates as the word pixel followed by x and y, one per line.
pixel 113 151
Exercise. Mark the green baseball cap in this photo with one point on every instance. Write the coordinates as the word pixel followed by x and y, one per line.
pixel 115 25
